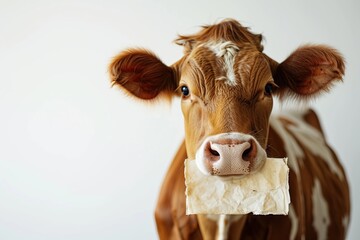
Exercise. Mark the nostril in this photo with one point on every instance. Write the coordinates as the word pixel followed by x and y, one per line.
pixel 250 152
pixel 214 152
pixel 246 154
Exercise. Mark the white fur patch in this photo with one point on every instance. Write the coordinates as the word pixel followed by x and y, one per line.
pixel 294 223
pixel 292 148
pixel 345 222
pixel 223 223
pixel 315 142
pixel 226 50
pixel 310 137
pixel 223 226
pixel 320 211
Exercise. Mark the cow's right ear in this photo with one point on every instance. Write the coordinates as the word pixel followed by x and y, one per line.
pixel 141 74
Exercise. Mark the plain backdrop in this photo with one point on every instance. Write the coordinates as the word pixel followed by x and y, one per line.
pixel 79 159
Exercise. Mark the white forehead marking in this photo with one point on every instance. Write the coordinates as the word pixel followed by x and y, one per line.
pixel 226 50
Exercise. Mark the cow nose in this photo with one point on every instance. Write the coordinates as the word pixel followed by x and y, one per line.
pixel 245 151
pixel 229 155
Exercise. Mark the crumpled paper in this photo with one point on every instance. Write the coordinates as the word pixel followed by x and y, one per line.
pixel 261 193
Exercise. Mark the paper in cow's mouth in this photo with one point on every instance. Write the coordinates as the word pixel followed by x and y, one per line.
pixel 264 192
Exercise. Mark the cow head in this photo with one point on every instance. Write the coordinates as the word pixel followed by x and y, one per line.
pixel 227 86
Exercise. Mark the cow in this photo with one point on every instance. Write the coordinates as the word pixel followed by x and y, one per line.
pixel 227 85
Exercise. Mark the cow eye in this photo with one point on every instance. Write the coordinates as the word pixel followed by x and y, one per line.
pixel 269 87
pixel 185 91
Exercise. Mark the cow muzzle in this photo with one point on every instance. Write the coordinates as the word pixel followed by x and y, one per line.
pixel 230 154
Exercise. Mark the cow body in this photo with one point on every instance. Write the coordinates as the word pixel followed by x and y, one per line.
pixel 227 85
pixel 320 204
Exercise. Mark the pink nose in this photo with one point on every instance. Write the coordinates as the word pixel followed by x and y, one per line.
pixel 231 154
pixel 217 151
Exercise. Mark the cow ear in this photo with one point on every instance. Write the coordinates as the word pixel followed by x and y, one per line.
pixel 141 74
pixel 309 70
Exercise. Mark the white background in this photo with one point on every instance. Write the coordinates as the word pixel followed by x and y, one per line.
pixel 78 159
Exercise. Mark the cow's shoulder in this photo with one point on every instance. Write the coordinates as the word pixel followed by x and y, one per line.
pixel 318 185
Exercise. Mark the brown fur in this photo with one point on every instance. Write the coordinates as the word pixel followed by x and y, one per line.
pixel 214 106
pixel 142 74
pixel 228 30
pixel 310 70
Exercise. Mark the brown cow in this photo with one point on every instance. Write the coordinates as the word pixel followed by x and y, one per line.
pixel 227 85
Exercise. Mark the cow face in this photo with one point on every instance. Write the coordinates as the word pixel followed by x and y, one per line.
pixel 226 101
pixel 227 85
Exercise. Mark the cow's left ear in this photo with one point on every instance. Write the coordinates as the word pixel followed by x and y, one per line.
pixel 309 70
pixel 143 75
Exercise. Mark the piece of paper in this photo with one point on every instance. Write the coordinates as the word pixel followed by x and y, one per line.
pixel 262 193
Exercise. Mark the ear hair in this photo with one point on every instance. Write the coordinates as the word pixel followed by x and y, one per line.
pixel 309 71
pixel 142 74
